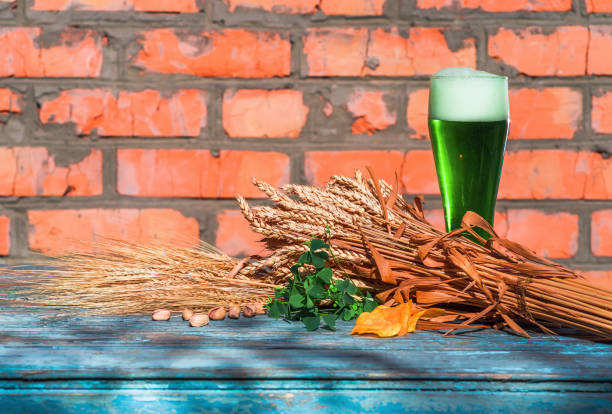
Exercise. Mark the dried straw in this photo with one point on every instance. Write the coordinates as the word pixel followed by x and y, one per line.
pixel 127 278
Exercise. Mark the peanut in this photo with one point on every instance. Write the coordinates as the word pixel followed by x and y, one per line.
pixel 199 319
pixel 217 314
pixel 187 314
pixel 161 315
pixel 259 309
pixel 248 311
pixel 234 311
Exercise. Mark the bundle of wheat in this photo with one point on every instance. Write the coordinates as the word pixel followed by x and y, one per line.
pixel 126 278
pixel 387 245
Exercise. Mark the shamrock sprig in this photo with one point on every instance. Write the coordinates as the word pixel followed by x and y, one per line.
pixel 311 296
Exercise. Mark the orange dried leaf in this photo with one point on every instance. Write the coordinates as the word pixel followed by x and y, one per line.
pixel 386 322
pixel 410 324
pixel 383 321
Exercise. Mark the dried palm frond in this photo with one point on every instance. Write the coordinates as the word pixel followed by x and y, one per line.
pixel 127 278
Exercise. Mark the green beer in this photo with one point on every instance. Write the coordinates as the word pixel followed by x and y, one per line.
pixel 468 126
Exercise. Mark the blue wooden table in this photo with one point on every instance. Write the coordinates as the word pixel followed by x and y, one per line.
pixel 52 363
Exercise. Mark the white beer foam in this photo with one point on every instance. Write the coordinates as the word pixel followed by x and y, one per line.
pixel 465 94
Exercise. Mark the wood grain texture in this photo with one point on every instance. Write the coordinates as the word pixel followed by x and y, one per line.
pixel 51 362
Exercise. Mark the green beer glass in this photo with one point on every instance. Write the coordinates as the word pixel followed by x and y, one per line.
pixel 468 127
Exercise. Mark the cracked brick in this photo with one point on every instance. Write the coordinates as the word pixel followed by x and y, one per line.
pixel 416 113
pixel 601 122
pixel 498 6
pixel 255 113
pixel 370 111
pixel 598 6
pixel 347 51
pixel 167 6
pixel 197 173
pixel 77 54
pixel 32 171
pixel 563 52
pixel 545 113
pixel 415 169
pixel 228 53
pixel 5 235
pixel 144 113
pixel 556 174
pixel 328 7
pixel 600 44
pixel 69 231
pixel 601 229
pixel 235 237
pixel 10 102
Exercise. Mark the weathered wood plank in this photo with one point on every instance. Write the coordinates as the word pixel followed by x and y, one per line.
pixel 136 347
pixel 306 401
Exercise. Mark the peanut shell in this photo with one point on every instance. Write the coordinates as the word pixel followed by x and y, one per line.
pixel 161 315
pixel 217 314
pixel 199 319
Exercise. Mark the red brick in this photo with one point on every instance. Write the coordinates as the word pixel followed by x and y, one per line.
pixel 10 102
pixel 370 111
pixel 197 173
pixel 601 232
pixel 69 231
pixel 228 53
pixel 545 113
pixel 550 174
pixel 32 171
pixel 416 113
pixel 76 53
pixel 418 173
pixel 536 53
pixel 498 6
pixel 275 6
pixel 264 114
pixel 166 6
pixel 145 113
pixel 171 6
pixel 600 44
pixel 97 5
pixel 319 166
pixel 598 6
pixel 5 235
pixel 601 278
pixel 380 52
pixel 553 235
pixel 436 218
pixel 352 7
pixel 415 169
pixel 329 7
pixel 435 4
pixel 601 121
pixel 235 237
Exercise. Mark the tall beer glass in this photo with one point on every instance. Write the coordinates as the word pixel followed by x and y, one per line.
pixel 468 126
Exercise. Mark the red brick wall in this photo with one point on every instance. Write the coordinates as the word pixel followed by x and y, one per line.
pixel 140 119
